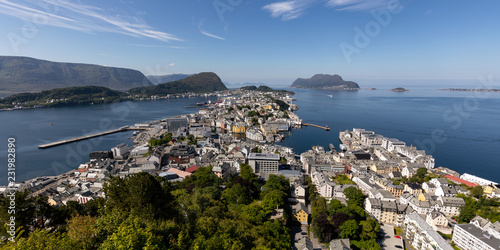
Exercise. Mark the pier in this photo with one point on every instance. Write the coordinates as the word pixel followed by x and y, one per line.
pixel 57 143
pixel 316 126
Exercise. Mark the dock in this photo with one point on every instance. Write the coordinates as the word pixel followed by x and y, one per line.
pixel 57 143
pixel 316 126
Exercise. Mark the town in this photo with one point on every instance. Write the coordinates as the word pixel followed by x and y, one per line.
pixel 414 204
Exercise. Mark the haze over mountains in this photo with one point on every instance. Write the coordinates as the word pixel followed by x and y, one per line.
pixel 324 81
pixel 25 74
pixel 166 78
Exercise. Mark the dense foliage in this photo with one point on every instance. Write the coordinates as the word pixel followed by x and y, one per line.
pixel 64 97
pixel 146 212
pixel 482 206
pixel 335 220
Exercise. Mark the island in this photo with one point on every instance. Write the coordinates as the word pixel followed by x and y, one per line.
pixel 399 89
pixel 325 81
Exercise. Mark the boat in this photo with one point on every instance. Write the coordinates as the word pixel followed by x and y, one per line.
pixel 331 96
pixel 135 133
pixel 331 147
pixel 343 147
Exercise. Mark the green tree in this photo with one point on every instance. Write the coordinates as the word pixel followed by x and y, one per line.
pixel 133 234
pixel 370 229
pixel 81 231
pixel 354 196
pixel 477 192
pixel 335 206
pixel 350 229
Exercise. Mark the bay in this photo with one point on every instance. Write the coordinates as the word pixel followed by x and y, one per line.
pixel 460 129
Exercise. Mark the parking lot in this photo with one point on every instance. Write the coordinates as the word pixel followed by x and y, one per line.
pixel 388 240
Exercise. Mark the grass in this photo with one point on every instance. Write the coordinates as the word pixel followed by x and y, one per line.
pixel 342 180
pixel 398 231
pixel 446 236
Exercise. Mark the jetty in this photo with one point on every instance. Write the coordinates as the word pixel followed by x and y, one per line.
pixel 316 126
pixel 57 143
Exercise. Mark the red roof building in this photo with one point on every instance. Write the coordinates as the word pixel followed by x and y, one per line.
pixel 192 169
pixel 458 180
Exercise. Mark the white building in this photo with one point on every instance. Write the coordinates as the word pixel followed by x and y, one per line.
pixel 478 180
pixel 421 235
pixel 470 237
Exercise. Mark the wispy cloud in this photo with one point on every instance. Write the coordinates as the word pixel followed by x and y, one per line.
pixel 82 17
pixel 288 10
pixel 202 31
pixel 212 35
pixel 292 9
pixel 357 5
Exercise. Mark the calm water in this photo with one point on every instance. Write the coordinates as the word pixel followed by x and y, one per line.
pixel 460 129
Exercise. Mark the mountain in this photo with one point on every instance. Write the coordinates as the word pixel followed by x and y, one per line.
pixel 25 74
pixel 166 78
pixel 64 97
pixel 324 81
pixel 202 82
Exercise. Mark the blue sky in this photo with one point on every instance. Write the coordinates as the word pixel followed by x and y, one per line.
pixel 272 42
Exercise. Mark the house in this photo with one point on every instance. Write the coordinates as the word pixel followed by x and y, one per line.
pixel 405 198
pixel 388 212
pixel 413 188
pixel 428 187
pixel 340 244
pixel 450 206
pixel 438 222
pixel 373 206
pixel 299 192
pixel 192 169
pixel 439 182
pixel 448 191
pixel 299 212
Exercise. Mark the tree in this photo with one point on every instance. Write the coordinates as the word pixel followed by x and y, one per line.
pixel 81 231
pixel 276 182
pixel 237 194
pixel 354 196
pixel 140 194
pixel 133 234
pixel 335 206
pixel 477 192
pixel 370 229
pixel 350 229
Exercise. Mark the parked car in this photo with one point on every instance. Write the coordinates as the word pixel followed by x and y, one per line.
pixel 397 236
pixel 398 246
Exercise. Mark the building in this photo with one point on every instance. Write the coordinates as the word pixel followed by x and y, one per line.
pixel 121 151
pixel 413 188
pixel 450 206
pixel 299 212
pixel 340 244
pixel 478 180
pixel 438 222
pixel 264 163
pixel 448 191
pixel 460 181
pixel 175 123
pixel 373 206
pixel 470 237
pixel 388 212
pixel 421 235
